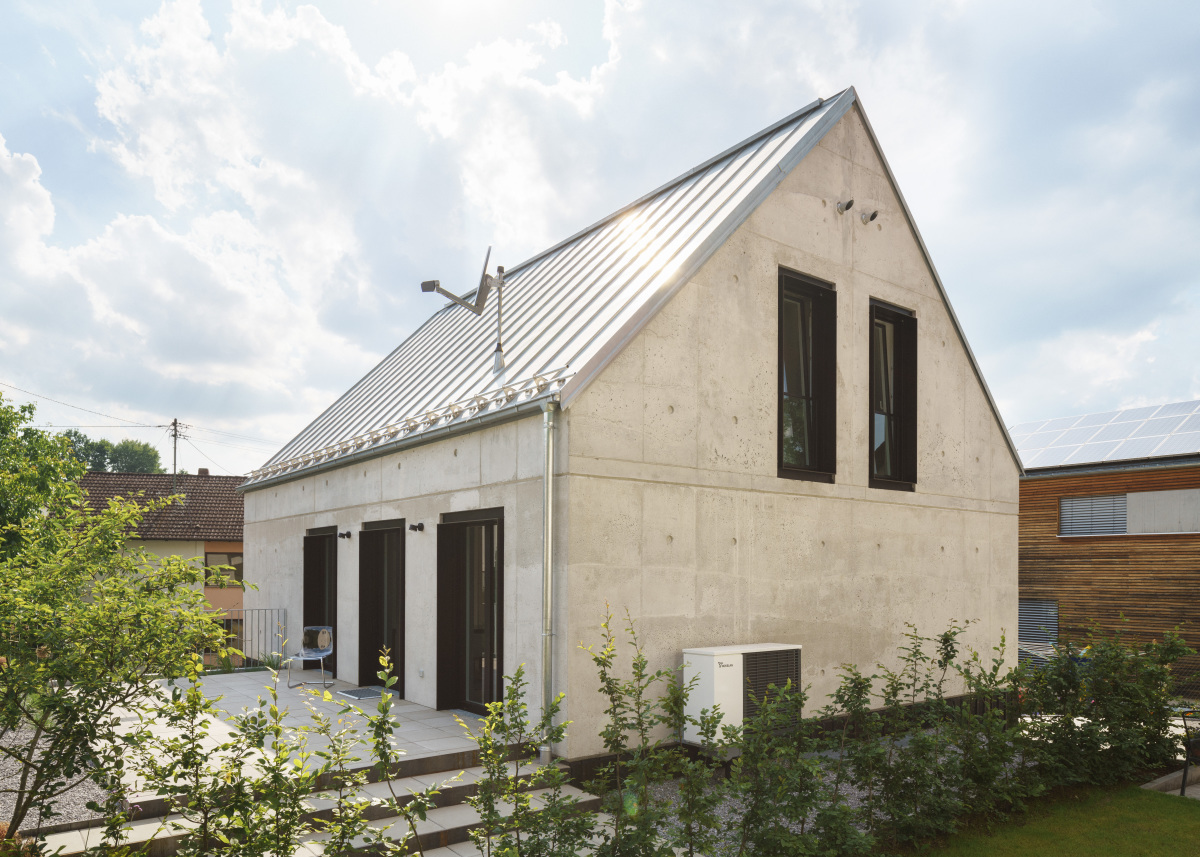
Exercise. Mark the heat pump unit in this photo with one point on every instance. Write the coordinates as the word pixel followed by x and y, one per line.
pixel 736 678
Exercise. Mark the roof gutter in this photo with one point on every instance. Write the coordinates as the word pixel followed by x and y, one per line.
pixel 528 408
pixel 1128 465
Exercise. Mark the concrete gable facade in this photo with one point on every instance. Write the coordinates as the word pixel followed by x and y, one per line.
pixel 667 497
pixel 676 510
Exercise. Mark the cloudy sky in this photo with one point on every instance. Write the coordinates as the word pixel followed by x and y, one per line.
pixel 219 210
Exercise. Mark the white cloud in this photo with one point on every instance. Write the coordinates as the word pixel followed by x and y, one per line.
pixel 26 212
pixel 274 178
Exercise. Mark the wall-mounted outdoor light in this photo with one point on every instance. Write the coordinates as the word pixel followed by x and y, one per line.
pixel 417 528
pixel 843 207
pixel 867 218
pixel 344 535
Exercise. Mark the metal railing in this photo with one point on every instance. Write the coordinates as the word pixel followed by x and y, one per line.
pixel 258 633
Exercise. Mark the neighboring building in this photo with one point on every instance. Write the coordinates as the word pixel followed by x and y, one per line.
pixel 1110 524
pixel 763 424
pixel 207 525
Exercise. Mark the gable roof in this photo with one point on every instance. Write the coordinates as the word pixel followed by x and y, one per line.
pixel 1112 438
pixel 212 509
pixel 567 310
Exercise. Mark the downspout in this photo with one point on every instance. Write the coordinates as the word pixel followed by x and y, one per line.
pixel 551 414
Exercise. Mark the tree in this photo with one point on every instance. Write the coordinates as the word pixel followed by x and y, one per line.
pixel 38 472
pixel 134 456
pixel 128 456
pixel 87 623
pixel 92 454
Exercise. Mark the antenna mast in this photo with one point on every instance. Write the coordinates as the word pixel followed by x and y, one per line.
pixel 486 284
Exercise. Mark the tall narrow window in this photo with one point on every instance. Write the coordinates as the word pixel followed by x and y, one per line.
pixel 893 386
pixel 807 378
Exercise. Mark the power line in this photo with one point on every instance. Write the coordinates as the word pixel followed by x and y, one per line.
pixel 130 422
pixel 76 407
pixel 99 426
pixel 205 454
pixel 240 436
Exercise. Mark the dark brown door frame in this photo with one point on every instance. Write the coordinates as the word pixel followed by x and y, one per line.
pixel 452 606
pixel 320 588
pixel 381 599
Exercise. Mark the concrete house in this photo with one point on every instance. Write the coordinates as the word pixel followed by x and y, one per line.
pixel 740 407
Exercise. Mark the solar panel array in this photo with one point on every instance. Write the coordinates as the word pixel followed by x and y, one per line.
pixel 1158 431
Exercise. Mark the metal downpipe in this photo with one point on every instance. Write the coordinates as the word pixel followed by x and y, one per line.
pixel 550 420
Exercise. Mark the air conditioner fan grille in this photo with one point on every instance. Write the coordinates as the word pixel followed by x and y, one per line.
pixel 763 669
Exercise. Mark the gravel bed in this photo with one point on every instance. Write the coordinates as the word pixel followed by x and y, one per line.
pixel 69 807
pixel 729 812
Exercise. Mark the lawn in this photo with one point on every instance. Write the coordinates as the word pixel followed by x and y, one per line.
pixel 1122 822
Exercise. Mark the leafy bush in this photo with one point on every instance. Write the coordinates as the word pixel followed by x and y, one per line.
pixel 1102 713
pixel 560 828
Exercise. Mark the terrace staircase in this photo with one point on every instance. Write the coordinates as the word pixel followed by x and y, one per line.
pixel 445 832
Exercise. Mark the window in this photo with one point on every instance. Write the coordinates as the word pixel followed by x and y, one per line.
pixel 1092 516
pixel 234 559
pixel 807 378
pixel 893 384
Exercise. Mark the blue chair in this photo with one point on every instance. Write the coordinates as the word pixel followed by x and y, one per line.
pixel 316 645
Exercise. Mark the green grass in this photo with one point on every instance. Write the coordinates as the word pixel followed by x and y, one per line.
pixel 1122 822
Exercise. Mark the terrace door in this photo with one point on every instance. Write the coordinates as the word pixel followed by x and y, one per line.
pixel 320 589
pixel 381 600
pixel 470 610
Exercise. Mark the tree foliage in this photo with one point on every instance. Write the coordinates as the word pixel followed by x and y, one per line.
pixel 87 624
pixel 126 456
pixel 37 472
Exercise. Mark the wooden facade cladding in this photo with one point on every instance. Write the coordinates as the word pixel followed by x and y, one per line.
pixel 1153 580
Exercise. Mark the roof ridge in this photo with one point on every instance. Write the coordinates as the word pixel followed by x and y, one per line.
pixel 680 179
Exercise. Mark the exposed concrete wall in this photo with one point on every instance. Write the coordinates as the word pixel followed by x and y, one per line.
pixel 676 511
pixel 499 466
pixel 1163 511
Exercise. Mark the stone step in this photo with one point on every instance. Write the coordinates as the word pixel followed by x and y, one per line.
pixel 151 806
pixel 442 827
pixel 451 826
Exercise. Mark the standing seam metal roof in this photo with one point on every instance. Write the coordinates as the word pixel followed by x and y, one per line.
pixel 567 310
pixel 560 307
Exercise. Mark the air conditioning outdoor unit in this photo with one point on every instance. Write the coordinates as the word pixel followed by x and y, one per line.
pixel 736 678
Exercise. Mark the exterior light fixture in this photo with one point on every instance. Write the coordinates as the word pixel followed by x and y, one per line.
pixel 417 528
pixel 867 218
pixel 842 207
pixel 344 535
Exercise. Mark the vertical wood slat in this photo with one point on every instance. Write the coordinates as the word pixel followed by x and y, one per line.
pixel 1153 580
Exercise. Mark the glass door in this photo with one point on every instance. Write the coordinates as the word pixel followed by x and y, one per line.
pixel 470 609
pixel 482 671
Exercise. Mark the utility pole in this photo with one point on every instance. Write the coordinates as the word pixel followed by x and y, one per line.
pixel 174 451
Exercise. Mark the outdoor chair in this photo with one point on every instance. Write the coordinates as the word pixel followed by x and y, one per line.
pixel 316 645
pixel 1191 745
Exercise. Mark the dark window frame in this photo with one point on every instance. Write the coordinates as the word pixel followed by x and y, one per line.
pixel 239 570
pixel 904 395
pixel 823 301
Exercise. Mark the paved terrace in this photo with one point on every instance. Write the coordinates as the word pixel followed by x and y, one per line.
pixel 420 731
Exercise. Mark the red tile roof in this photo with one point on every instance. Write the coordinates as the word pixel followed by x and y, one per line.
pixel 212 509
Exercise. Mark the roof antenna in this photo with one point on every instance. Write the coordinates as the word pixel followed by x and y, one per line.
pixel 486 283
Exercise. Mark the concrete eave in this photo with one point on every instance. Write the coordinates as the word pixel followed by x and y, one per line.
pixel 529 407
